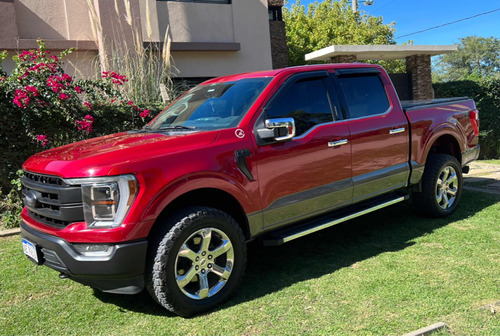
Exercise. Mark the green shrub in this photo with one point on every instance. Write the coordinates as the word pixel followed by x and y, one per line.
pixel 11 205
pixel 43 107
pixel 486 94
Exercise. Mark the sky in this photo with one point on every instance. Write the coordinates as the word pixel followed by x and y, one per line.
pixel 411 16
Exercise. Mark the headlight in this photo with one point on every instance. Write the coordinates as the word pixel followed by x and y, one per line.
pixel 106 200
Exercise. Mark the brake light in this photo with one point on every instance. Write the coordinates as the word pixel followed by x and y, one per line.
pixel 474 120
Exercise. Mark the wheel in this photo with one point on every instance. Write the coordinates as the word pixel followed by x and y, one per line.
pixel 196 261
pixel 441 186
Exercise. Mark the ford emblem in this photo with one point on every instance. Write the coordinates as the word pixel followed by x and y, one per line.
pixel 30 199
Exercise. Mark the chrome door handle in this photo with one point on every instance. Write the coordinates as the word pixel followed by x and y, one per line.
pixel 397 130
pixel 338 143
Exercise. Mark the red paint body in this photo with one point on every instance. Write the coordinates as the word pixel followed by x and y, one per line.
pixel 167 167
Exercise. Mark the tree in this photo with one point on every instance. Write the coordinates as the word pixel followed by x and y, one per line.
pixel 331 22
pixel 475 58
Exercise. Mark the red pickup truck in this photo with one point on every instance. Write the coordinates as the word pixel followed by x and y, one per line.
pixel 275 155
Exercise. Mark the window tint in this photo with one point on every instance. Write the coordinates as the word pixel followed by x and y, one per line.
pixel 365 95
pixel 306 101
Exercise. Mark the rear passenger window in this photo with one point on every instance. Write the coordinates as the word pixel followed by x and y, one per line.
pixel 365 95
pixel 306 101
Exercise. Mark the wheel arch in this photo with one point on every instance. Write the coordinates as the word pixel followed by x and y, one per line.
pixel 444 143
pixel 208 197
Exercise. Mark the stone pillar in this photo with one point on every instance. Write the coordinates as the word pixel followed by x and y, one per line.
pixel 419 67
pixel 343 59
pixel 279 49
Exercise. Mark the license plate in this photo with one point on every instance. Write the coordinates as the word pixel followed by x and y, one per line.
pixel 30 250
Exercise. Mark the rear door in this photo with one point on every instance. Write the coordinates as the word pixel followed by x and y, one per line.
pixel 311 173
pixel 379 132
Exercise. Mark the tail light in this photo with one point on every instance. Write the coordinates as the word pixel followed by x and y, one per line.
pixel 474 120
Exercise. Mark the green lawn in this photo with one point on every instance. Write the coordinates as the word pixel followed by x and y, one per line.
pixel 490 161
pixel 386 273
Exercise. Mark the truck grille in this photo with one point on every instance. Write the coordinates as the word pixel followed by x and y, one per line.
pixel 51 201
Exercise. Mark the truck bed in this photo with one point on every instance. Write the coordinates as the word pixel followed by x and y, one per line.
pixel 415 104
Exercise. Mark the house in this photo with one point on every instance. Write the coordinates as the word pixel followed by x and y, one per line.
pixel 209 38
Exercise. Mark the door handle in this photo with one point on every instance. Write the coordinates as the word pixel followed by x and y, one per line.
pixel 338 143
pixel 397 130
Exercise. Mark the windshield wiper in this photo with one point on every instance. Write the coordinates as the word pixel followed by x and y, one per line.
pixel 177 127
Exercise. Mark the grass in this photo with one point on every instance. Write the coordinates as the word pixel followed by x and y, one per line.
pixel 490 161
pixel 386 273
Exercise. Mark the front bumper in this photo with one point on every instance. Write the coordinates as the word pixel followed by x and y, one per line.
pixel 119 272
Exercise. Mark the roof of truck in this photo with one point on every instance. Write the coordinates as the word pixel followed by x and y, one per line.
pixel 290 70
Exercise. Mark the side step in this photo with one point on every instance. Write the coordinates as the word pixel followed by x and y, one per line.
pixel 290 233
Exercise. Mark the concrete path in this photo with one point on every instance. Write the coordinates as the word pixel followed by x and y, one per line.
pixel 483 177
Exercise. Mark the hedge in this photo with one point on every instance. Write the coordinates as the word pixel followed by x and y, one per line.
pixel 486 94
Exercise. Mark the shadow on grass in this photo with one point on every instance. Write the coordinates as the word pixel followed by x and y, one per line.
pixel 270 269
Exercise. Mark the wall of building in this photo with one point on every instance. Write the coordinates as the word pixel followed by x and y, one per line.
pixel 209 40
pixel 243 22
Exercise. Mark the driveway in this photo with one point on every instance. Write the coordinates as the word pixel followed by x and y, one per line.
pixel 483 177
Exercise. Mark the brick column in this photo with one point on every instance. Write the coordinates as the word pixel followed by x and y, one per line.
pixel 419 67
pixel 344 59
pixel 279 49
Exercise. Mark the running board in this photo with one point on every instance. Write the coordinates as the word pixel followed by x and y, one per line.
pixel 288 234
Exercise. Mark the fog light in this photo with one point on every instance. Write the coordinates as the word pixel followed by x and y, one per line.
pixel 94 250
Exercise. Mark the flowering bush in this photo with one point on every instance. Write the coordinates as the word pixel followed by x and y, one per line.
pixel 43 107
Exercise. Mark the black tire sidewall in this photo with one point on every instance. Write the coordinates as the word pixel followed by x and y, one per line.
pixel 436 163
pixel 211 218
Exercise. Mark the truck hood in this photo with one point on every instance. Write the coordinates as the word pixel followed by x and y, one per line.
pixel 97 156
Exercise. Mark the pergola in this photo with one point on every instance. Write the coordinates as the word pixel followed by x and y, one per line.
pixel 418 60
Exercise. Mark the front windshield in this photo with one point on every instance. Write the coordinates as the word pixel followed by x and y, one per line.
pixel 212 106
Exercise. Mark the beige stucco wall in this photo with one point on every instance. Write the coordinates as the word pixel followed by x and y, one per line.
pixel 196 22
pixel 82 64
pixel 244 22
pixel 53 19
pixel 65 23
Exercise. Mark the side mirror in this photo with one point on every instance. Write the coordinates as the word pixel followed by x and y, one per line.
pixel 279 129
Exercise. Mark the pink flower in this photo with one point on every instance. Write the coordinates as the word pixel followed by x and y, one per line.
pixel 144 114
pixel 88 105
pixel 116 78
pixel 130 102
pixel 78 89
pixel 24 75
pixel 66 77
pixel 54 57
pixel 42 139
pixel 54 82
pixel 21 98
pixel 63 96
pixel 85 124
pixel 32 89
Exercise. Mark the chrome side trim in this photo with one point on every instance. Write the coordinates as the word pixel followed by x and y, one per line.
pixel 343 219
pixel 397 130
pixel 338 143
pixel 380 181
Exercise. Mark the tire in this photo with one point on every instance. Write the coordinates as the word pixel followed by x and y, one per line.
pixel 195 261
pixel 441 186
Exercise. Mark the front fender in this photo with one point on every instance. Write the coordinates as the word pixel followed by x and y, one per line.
pixel 201 181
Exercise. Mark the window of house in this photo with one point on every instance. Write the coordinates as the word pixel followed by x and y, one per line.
pixel 306 101
pixel 365 95
pixel 202 1
pixel 275 13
